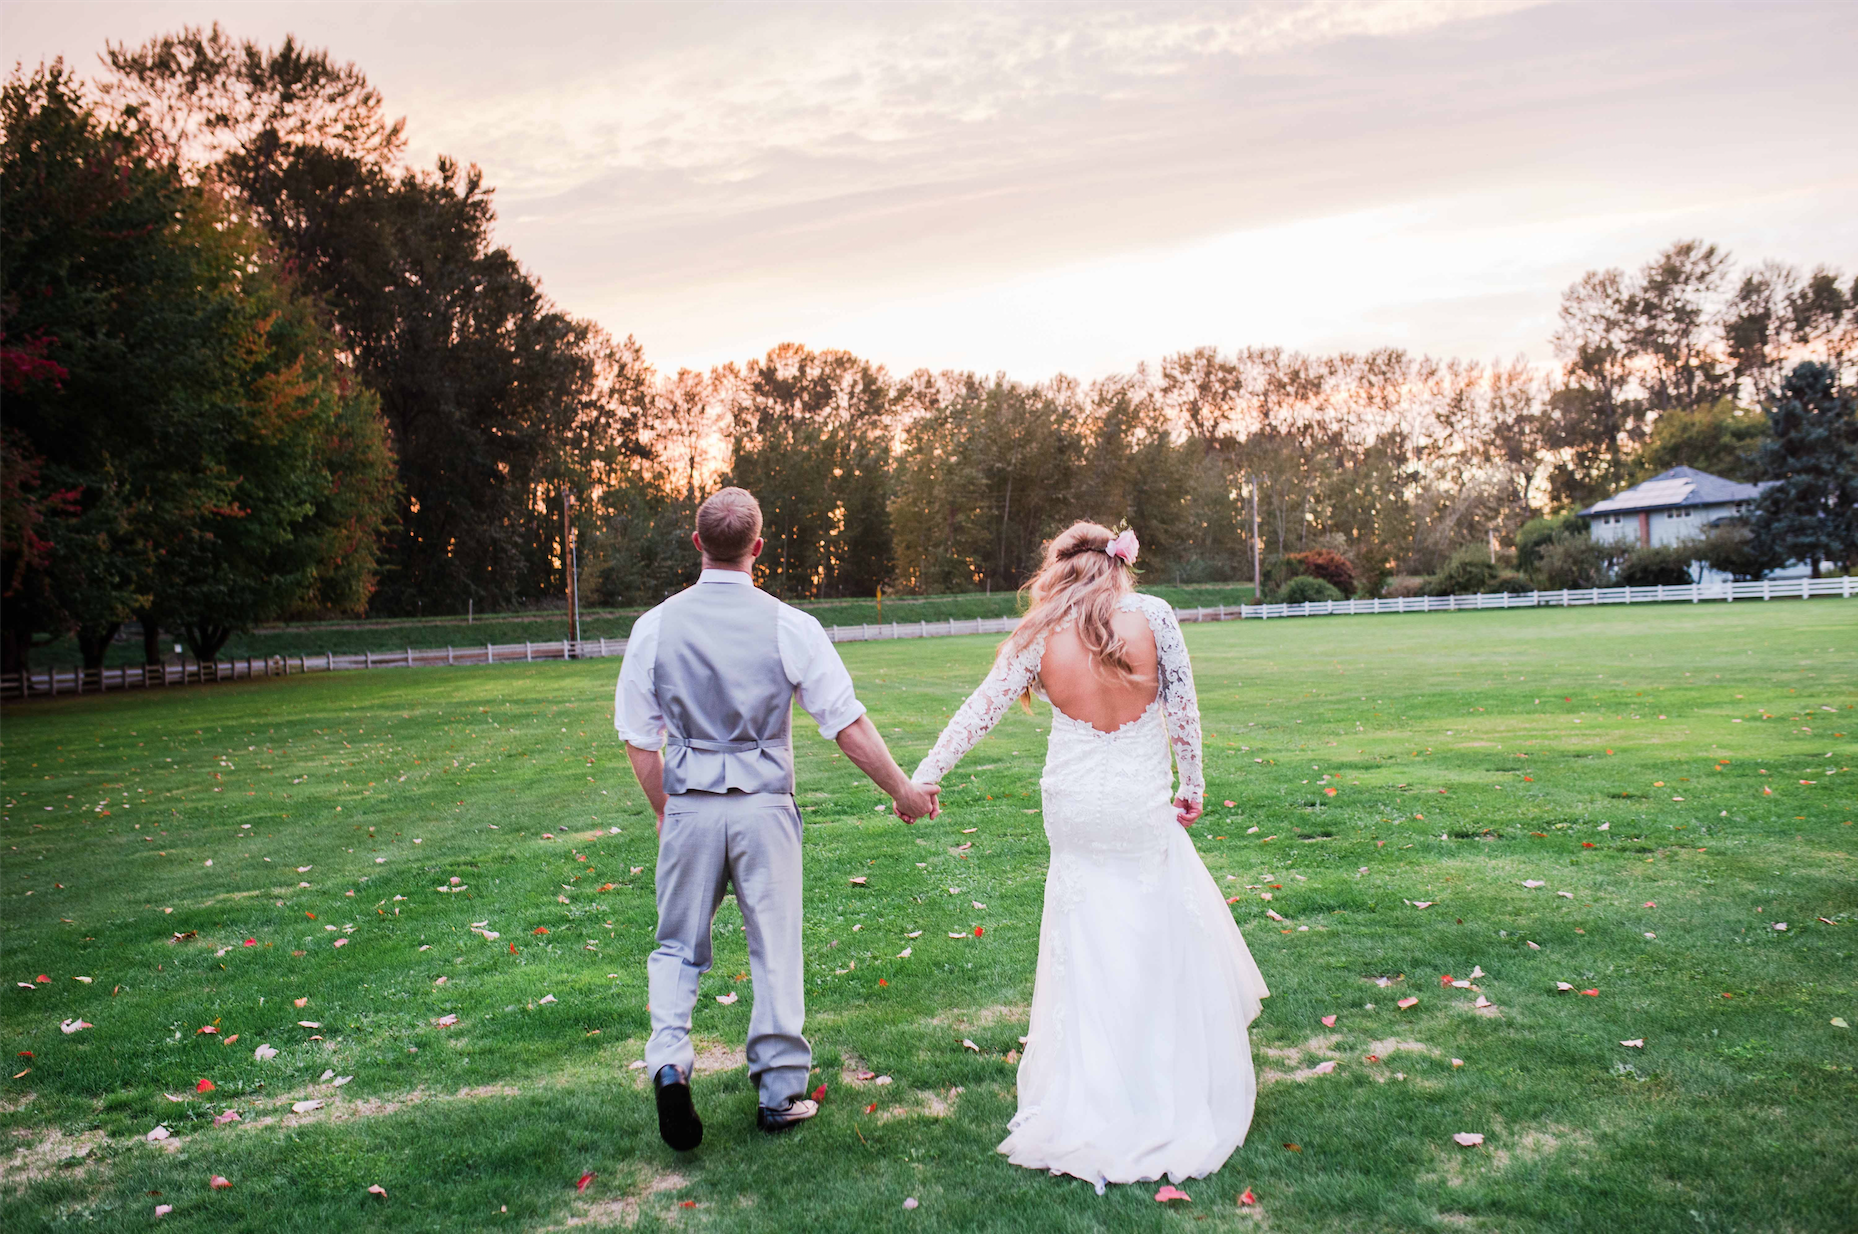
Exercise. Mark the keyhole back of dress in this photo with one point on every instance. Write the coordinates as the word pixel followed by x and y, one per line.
pixel 1078 686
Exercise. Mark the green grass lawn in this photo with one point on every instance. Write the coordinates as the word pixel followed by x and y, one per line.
pixel 244 857
pixel 391 635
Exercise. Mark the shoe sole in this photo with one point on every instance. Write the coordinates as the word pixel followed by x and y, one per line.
pixel 678 1124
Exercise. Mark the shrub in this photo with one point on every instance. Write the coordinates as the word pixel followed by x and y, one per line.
pixel 1538 533
pixel 1572 560
pixel 1511 582
pixel 1467 571
pixel 1326 564
pixel 1405 586
pixel 1308 589
pixel 1655 564
pixel 1732 548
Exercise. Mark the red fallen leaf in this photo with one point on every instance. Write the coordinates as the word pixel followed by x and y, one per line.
pixel 251 942
pixel 1328 1021
pixel 582 1185
pixel 25 1054
pixel 1591 993
pixel 512 948
pixel 1230 804
pixel 204 1086
pixel 1650 904
pixel 1409 1001
pixel 1586 843
pixel 882 981
pixel 205 1028
pixel 1233 900
pixel 871 1109
pixel 819 1094
pixel 1445 979
pixel 687 1204
pixel 377 1189
pixel 43 978
pixel 1329 791
pixel 1373 1058
pixel 1169 1193
pixel 1247 1199
pixel 1531 779
pixel 219 1183
pixel 978 931
pixel 538 930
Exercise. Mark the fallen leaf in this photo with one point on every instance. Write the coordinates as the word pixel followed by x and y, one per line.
pixel 1566 895
pixel 1469 1139
pixel 966 1044
pixel 546 998
pixel 1591 993
pixel 1168 1193
pixel 1637 1043
pixel 1404 1003
pixel 67 1027
pixel 1780 925
pixel 905 953
pixel 1458 1062
pixel 204 1086
pixel 727 999
pixel 305 1107
pixel 1247 1199
pixel 819 1094
pixel 1323 1068
pixel 446 1021
pixel 162 1210
pixel 1328 1021
pixel 157 1135
pixel 309 1023
pixel 859 881
pixel 230 1116
pixel 377 1189
pixel 1424 903
pixel 909 1202
pixel 1482 1003
pixel 264 1052
pixel 219 1183
pixel 582 1185
pixel 205 1028
pixel 1533 882
pixel 1839 1023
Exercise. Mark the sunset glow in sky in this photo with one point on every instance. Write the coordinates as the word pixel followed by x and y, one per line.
pixel 1044 188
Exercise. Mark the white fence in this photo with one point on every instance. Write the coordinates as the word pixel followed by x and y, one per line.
pixel 51 682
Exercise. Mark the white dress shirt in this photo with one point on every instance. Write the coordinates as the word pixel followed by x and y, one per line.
pixel 822 686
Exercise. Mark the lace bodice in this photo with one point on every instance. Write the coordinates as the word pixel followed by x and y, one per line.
pixel 1014 675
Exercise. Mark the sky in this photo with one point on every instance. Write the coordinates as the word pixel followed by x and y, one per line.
pixel 1078 188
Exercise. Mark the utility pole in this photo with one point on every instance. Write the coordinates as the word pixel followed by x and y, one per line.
pixel 1257 554
pixel 571 566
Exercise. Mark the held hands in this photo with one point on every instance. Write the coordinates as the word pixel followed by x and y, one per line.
pixel 1186 811
pixel 918 801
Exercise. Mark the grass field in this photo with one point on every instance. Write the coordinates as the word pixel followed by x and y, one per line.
pixel 248 857
pixel 390 635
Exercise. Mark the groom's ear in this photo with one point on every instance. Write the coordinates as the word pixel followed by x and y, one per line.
pixel 697 541
pixel 754 550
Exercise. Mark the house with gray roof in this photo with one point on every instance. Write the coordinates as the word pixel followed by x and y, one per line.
pixel 1672 506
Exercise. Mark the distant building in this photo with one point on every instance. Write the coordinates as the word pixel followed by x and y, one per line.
pixel 1675 505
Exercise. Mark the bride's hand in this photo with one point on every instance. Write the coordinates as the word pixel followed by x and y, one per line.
pixel 1187 812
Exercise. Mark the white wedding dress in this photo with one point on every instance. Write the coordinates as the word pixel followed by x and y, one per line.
pixel 1137 1064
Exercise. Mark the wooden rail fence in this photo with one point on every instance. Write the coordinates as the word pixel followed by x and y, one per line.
pixel 48 683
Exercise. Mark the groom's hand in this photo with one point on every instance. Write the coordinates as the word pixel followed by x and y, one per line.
pixel 918 801
pixel 1187 812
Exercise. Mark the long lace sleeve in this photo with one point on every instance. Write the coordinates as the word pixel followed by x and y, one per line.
pixel 1180 706
pixel 1008 680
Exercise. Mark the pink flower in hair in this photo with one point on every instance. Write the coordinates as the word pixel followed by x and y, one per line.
pixel 1124 547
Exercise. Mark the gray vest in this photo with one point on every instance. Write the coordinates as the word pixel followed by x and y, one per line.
pixel 727 703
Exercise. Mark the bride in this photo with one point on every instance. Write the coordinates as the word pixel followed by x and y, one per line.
pixel 1137 1064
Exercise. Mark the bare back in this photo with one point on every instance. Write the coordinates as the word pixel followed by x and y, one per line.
pixel 1081 689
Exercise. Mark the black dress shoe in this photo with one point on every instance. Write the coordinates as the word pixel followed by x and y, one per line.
pixel 678 1123
pixel 772 1119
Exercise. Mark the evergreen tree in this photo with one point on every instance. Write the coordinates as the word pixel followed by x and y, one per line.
pixel 1811 513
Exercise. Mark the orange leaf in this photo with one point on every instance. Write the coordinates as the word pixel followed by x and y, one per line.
pixel 204 1086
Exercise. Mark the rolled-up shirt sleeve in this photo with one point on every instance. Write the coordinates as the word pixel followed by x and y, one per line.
pixel 822 686
pixel 637 715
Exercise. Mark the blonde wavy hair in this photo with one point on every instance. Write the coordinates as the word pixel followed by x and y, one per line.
pixel 1077 582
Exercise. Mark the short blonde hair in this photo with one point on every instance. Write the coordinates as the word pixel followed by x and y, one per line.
pixel 728 523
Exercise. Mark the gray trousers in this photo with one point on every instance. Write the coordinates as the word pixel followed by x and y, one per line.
pixel 710 842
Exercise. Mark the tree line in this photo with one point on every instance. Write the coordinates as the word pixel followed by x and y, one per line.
pixel 255 365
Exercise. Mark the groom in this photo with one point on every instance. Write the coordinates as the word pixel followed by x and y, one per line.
pixel 705 706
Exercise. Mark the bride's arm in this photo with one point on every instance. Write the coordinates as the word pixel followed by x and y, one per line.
pixel 1180 706
pixel 1009 679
